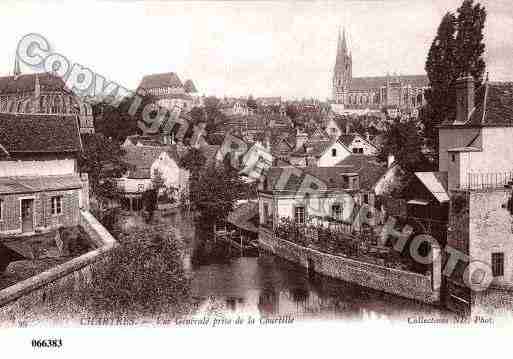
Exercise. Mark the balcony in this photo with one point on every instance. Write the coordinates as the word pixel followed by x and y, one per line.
pixel 491 180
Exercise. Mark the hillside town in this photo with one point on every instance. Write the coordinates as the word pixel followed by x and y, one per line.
pixel 393 196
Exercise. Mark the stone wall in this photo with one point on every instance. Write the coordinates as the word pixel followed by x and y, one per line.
pixel 32 292
pixel 405 284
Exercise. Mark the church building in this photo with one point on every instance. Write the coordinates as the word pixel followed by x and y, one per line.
pixel 42 93
pixel 405 92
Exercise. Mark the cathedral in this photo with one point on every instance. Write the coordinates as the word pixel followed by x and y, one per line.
pixel 42 93
pixel 404 92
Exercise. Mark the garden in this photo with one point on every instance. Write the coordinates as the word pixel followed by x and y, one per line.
pixel 333 237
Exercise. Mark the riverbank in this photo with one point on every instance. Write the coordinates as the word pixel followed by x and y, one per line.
pixel 405 284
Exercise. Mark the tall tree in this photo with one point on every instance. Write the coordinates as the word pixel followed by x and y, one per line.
pixel 102 160
pixel 469 41
pixel 457 50
pixel 403 141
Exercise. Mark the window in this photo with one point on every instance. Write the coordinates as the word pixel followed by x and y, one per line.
pixel 453 157
pixel 1 209
pixel 357 150
pixel 299 215
pixel 366 198
pixel 57 205
pixel 336 211
pixel 333 152
pixel 498 264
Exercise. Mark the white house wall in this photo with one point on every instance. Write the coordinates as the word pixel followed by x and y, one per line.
pixel 37 168
pixel 327 160
pixel 316 206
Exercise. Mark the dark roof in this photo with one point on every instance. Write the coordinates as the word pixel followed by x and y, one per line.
pixel 169 79
pixel 242 216
pixel 314 148
pixel 34 133
pixel 375 82
pixel 26 83
pixel 32 184
pixel 140 158
pixel 332 177
pixel 346 140
pixel 189 87
pixel 368 168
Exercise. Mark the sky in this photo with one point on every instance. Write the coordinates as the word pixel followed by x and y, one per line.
pixel 238 48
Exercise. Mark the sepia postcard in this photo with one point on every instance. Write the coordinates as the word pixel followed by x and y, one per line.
pixel 255 178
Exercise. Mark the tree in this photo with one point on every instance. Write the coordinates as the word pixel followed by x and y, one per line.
pixel 457 50
pixel 193 161
pixel 101 159
pixel 214 192
pixel 403 141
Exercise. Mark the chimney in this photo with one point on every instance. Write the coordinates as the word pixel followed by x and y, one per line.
pixel 464 98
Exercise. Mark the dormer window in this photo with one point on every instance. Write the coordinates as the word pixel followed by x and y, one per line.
pixel 334 152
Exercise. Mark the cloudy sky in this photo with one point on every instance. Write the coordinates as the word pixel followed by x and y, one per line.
pixel 274 48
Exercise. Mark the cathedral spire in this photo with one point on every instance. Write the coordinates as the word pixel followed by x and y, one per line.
pixel 17 71
pixel 341 50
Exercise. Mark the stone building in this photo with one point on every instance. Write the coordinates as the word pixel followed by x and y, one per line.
pixel 474 182
pixel 42 93
pixel 169 91
pixel 405 92
pixel 40 187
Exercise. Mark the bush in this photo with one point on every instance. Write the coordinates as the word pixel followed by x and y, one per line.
pixel 142 277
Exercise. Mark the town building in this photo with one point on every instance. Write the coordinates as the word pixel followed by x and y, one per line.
pixel 169 91
pixel 340 192
pixel 318 153
pixel 472 187
pixel 40 187
pixel 43 93
pixel 379 92
pixel 146 163
pixel 232 107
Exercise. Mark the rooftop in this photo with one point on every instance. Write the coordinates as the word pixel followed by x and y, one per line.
pixel 36 133
pixel 376 82
pixel 26 83
pixel 169 79
pixel 31 184
pixel 140 158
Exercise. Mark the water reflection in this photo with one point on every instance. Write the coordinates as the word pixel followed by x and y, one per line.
pixel 229 283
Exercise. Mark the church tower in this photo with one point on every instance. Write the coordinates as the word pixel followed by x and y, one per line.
pixel 343 71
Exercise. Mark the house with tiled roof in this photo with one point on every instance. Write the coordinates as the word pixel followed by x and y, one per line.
pixel 147 163
pixel 330 193
pixel 470 194
pixel 324 152
pixel 40 187
pixel 358 144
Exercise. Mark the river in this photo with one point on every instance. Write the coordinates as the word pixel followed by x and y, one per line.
pixel 230 283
